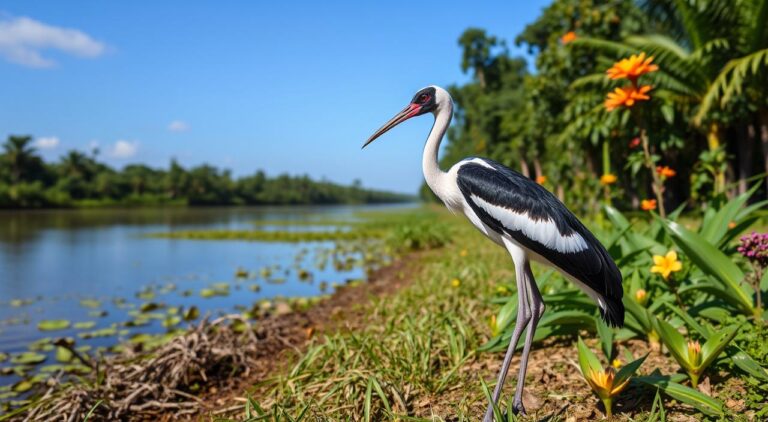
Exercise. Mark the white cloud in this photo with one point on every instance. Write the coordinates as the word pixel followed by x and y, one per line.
pixel 178 126
pixel 47 142
pixel 23 39
pixel 124 149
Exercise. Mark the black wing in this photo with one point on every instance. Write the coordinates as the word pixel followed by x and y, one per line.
pixel 486 188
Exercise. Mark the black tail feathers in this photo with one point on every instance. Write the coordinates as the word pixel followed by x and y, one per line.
pixel 613 314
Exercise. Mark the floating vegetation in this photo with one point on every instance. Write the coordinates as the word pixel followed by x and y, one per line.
pixel 150 306
pixel 218 289
pixel 84 325
pixel 241 273
pixel 192 313
pixel 53 325
pixel 90 303
pixel 104 332
pixel 3 357
pixel 18 303
pixel 98 313
pixel 28 358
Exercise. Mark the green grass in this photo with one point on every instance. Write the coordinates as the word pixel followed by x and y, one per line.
pixel 413 345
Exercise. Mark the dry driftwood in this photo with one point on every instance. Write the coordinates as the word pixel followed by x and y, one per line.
pixel 144 385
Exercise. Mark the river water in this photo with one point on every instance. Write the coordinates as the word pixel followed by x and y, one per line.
pixel 97 268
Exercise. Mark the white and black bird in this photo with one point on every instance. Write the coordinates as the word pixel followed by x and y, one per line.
pixel 524 218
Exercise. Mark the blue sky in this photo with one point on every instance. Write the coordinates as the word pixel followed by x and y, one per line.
pixel 282 86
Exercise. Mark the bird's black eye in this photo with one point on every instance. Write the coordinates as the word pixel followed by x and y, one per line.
pixel 423 98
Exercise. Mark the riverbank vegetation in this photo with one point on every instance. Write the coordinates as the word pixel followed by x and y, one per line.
pixel 81 180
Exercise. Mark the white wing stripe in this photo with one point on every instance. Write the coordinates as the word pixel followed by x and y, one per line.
pixel 542 231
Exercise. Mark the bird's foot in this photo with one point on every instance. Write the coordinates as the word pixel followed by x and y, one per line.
pixel 518 408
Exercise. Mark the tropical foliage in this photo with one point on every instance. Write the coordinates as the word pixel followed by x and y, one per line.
pixel 700 101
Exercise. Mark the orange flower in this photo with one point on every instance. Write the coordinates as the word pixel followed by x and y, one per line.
pixel 541 179
pixel 626 96
pixel 568 37
pixel 608 179
pixel 632 67
pixel 731 224
pixel 665 171
pixel 648 204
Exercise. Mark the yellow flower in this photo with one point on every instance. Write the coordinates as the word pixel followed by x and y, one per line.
pixel 666 265
pixel 463 253
pixel 568 37
pixel 626 97
pixel 541 179
pixel 602 383
pixel 616 363
pixel 455 282
pixel 502 289
pixel 632 67
pixel 608 179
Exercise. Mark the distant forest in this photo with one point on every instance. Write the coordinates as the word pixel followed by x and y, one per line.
pixel 80 180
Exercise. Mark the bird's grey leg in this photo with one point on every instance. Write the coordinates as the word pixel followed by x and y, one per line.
pixel 523 316
pixel 537 310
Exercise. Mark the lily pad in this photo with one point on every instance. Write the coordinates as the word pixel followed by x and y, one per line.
pixel 17 303
pixel 98 313
pixel 28 358
pixel 192 313
pixel 171 321
pixel 63 354
pixel 23 386
pixel 150 306
pixel 104 332
pixel 53 325
pixel 208 293
pixel 3 357
pixel 85 325
pixel 90 303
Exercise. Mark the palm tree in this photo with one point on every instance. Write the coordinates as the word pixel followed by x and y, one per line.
pixel 745 76
pixel 21 158
pixel 690 56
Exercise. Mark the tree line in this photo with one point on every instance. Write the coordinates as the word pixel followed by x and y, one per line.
pixel 80 179
pixel 706 117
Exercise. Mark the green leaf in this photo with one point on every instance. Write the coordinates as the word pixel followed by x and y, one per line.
pixel 715 345
pixel 28 358
pixel 606 337
pixel 507 313
pixel 745 362
pixel 616 217
pixel 715 228
pixel 711 261
pixel 63 354
pixel 684 394
pixel 588 362
pixel 628 370
pixel 53 325
pixel 367 403
pixel 675 342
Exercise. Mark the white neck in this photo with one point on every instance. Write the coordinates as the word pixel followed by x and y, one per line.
pixel 429 164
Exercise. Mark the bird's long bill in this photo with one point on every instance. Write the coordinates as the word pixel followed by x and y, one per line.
pixel 400 117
